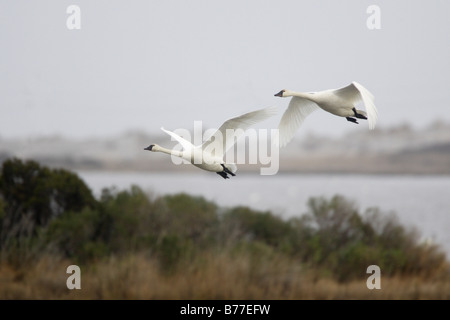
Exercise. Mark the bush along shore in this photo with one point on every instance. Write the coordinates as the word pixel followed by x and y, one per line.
pixel 129 245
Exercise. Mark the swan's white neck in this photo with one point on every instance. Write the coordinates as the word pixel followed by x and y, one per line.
pixel 176 153
pixel 288 93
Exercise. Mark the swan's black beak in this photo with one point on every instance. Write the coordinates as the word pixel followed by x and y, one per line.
pixel 279 94
pixel 150 147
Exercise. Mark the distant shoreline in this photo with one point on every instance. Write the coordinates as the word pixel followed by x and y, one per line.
pixel 399 150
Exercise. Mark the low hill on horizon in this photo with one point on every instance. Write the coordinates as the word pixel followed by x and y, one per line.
pixel 395 150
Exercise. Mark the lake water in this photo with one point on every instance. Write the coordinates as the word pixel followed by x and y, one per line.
pixel 420 201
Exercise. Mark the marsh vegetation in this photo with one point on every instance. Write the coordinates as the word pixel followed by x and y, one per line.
pixel 131 245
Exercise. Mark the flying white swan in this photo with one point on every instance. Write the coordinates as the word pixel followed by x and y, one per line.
pixel 210 155
pixel 341 102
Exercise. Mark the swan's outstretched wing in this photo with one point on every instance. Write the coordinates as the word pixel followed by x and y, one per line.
pixel 184 143
pixel 238 125
pixel 296 112
pixel 368 99
pixel 357 93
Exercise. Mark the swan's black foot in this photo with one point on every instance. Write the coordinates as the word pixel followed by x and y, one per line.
pixel 351 119
pixel 223 174
pixel 225 169
pixel 358 115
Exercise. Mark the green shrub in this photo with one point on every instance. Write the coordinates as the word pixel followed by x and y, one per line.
pixel 245 224
pixel 52 211
pixel 189 217
pixel 171 250
pixel 77 235
pixel 129 221
pixel 33 195
pixel 343 242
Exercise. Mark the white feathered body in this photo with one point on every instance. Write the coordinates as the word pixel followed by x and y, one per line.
pixel 330 102
pixel 209 156
pixel 341 102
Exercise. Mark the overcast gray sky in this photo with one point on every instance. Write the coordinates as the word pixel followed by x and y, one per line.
pixel 140 65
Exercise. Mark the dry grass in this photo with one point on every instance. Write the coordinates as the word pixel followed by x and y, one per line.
pixel 209 276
